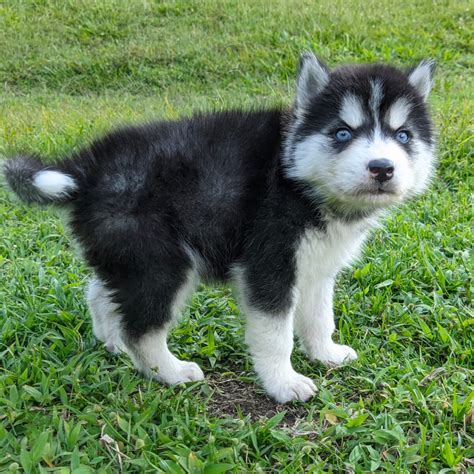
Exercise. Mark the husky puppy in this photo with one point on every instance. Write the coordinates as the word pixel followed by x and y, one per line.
pixel 277 200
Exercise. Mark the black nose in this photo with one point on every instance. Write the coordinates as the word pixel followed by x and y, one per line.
pixel 381 170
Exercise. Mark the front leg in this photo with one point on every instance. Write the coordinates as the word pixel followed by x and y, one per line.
pixel 268 301
pixel 314 324
pixel 270 341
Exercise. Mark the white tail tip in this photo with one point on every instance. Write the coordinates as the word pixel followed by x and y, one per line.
pixel 54 184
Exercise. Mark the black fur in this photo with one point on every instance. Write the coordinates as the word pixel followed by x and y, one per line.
pixel 324 108
pixel 154 200
pixel 20 173
pixel 210 183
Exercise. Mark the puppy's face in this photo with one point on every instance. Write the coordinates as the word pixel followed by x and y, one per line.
pixel 361 136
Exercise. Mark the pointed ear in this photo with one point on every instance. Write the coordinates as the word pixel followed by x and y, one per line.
pixel 421 77
pixel 313 75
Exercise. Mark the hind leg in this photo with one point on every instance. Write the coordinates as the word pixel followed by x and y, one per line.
pixel 151 356
pixel 149 304
pixel 106 319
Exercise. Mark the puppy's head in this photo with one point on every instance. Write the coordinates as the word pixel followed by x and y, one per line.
pixel 361 135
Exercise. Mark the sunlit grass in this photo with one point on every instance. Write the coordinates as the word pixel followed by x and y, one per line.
pixel 70 70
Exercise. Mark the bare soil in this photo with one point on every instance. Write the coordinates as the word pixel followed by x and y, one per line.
pixel 234 397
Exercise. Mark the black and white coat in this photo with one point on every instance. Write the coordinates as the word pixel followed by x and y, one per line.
pixel 271 200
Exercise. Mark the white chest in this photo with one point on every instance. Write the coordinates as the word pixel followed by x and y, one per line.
pixel 322 255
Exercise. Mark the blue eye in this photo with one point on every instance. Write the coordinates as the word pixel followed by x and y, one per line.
pixel 402 136
pixel 343 135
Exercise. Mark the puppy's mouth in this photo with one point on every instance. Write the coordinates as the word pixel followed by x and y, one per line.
pixel 366 197
pixel 385 190
pixel 376 192
pixel 375 196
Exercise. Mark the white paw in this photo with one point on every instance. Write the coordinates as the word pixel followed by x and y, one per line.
pixel 293 386
pixel 113 343
pixel 185 372
pixel 336 354
pixel 112 347
pixel 190 372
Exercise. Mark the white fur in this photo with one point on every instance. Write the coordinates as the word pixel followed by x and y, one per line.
pixel 320 256
pixel 270 341
pixel 150 354
pixel 361 152
pixel 398 113
pixel 106 319
pixel 153 357
pixel 270 336
pixel 184 293
pixel 341 178
pixel 54 183
pixel 307 154
pixel 421 78
pixel 423 164
pixel 351 111
pixel 375 100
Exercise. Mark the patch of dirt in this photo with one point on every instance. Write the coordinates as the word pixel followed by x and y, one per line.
pixel 233 397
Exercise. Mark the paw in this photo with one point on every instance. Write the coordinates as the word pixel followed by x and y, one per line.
pixel 112 347
pixel 190 372
pixel 336 354
pixel 293 386
pixel 114 344
pixel 185 372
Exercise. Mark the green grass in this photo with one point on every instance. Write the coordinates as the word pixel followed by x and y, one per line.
pixel 70 70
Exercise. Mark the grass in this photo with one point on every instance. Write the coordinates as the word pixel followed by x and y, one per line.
pixel 70 70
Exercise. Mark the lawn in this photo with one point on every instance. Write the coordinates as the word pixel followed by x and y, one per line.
pixel 70 70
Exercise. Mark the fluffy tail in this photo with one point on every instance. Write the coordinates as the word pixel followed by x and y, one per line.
pixel 34 181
